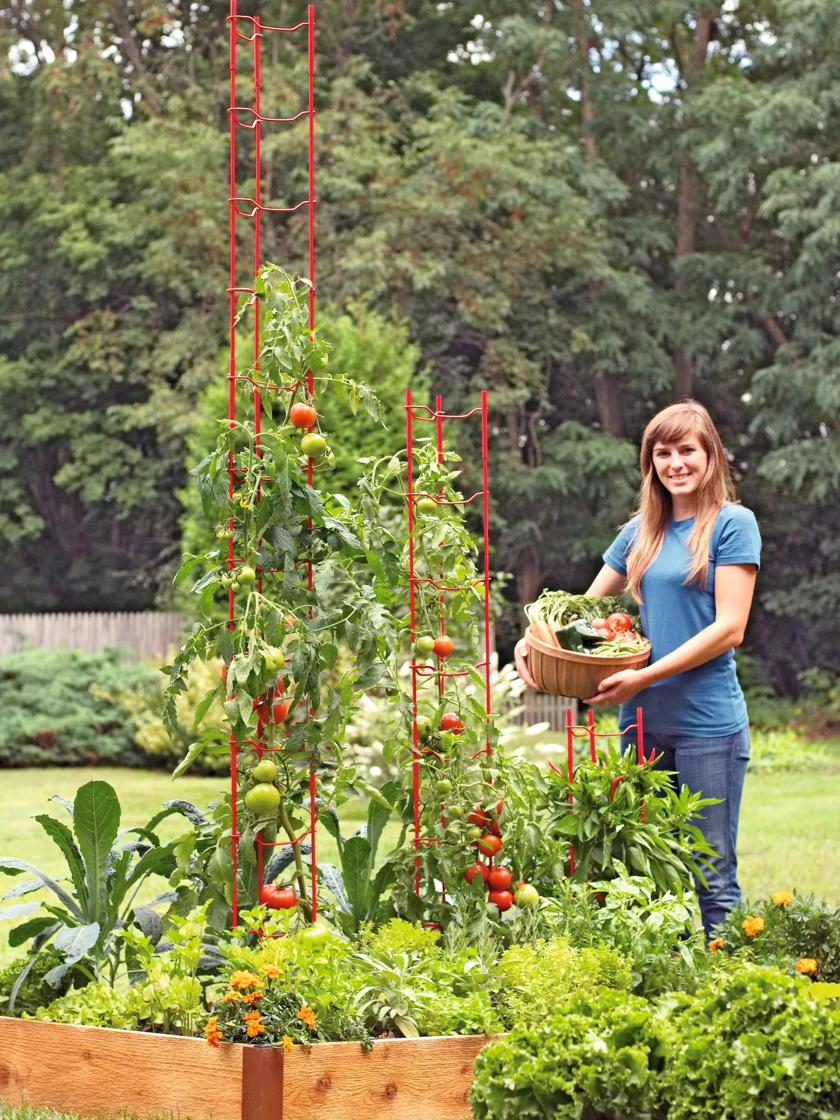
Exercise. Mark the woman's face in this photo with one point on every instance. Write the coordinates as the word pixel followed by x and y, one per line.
pixel 681 466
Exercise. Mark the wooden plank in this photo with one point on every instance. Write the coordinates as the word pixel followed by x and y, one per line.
pixel 262 1083
pixel 400 1079
pixel 105 1073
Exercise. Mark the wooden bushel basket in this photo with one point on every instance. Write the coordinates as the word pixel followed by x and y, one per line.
pixel 574 674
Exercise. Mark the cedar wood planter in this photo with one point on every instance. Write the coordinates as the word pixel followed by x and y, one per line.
pixel 102 1073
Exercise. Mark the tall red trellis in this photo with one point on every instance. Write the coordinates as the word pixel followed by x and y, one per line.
pixel 423 414
pixel 250 30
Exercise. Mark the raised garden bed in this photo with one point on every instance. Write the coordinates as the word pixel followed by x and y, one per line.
pixel 105 1073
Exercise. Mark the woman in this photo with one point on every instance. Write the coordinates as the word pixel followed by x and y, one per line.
pixel 690 557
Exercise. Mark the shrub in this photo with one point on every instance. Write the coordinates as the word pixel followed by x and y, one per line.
pixel 167 749
pixel 62 708
pixel 790 931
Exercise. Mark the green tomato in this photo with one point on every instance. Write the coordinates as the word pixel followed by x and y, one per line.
pixel 265 771
pixel 314 446
pixel 424 645
pixel 475 833
pixel 263 799
pixel 275 659
pixel 424 728
pixel 527 896
pixel 443 786
pixel 317 934
pixel 246 574
pixel 428 507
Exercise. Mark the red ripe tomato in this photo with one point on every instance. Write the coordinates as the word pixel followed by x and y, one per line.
pixel 477 869
pixel 278 898
pixel 443 645
pixel 450 721
pixel 620 622
pixel 502 899
pixel 599 623
pixel 500 878
pixel 280 711
pixel 605 633
pixel 489 844
pixel 302 415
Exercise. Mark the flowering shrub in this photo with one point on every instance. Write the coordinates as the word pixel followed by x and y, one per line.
pixel 796 934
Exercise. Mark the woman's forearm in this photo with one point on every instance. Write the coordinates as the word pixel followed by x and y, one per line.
pixel 709 643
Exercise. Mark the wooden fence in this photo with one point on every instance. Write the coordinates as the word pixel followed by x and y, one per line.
pixel 544 707
pixel 145 633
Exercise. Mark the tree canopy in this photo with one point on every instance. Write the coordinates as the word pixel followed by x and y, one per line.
pixel 590 209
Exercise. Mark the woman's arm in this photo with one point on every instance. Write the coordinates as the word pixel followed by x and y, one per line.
pixel 607 582
pixel 734 587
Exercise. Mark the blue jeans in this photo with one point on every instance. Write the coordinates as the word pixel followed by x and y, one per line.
pixel 715 767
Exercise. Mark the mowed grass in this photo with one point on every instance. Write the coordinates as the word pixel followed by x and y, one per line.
pixel 789 839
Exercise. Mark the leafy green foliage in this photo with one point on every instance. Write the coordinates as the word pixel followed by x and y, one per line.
pixel 106 867
pixel 600 810
pixel 66 707
pixel 795 929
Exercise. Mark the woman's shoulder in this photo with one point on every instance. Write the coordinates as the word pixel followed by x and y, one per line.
pixel 733 513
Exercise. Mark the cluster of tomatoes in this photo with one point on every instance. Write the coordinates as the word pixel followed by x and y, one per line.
pixel 313 445
pixel 613 625
pixel 441 646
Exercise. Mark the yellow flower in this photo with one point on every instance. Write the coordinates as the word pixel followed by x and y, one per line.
pixel 751 926
pixel 287 1042
pixel 244 980
pixel 781 898
pixel 307 1016
pixel 212 1032
pixel 718 943
pixel 270 970
pixel 231 997
pixel 807 966
pixel 253 1024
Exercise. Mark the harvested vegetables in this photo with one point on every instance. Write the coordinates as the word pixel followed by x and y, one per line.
pixel 585 624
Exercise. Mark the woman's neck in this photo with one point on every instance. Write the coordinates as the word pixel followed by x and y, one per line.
pixel 683 508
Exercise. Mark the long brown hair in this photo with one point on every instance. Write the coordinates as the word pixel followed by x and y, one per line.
pixel 655 509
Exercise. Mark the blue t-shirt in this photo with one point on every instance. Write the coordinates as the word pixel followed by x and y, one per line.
pixel 706 701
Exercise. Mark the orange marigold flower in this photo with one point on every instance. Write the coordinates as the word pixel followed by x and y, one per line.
pixel 781 898
pixel 287 1042
pixel 212 1032
pixel 270 970
pixel 244 980
pixel 231 997
pixel 751 926
pixel 807 966
pixel 252 998
pixel 718 943
pixel 253 1024
pixel 307 1016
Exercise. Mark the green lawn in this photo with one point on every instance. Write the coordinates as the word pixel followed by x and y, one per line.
pixel 790 823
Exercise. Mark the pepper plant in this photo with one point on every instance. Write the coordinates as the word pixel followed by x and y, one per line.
pixel 308 571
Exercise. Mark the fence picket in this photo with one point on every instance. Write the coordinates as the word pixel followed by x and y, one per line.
pixel 145 633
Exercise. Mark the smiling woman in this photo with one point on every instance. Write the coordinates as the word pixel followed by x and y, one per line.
pixel 690 557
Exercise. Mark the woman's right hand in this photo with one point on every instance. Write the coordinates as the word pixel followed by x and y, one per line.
pixel 520 660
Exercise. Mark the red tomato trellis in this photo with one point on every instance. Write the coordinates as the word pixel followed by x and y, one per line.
pixel 250 29
pixel 580 730
pixel 416 413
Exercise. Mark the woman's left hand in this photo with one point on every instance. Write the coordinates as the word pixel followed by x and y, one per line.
pixel 618 688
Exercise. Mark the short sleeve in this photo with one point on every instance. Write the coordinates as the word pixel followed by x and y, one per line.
pixel 616 555
pixel 739 541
